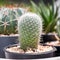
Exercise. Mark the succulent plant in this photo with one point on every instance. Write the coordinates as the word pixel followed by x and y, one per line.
pixel 8 20
pixel 48 14
pixel 30 29
pixel 58 27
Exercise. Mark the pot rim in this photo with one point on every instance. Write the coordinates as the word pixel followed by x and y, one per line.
pixel 53 50
pixel 51 45
pixel 14 35
pixel 49 33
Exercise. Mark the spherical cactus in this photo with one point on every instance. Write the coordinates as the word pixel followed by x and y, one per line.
pixel 30 29
pixel 8 20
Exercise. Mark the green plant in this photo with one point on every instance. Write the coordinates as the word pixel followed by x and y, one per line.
pixel 8 20
pixel 3 2
pixel 30 29
pixel 48 14
pixel 58 27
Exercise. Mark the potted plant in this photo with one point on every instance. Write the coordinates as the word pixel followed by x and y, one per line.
pixel 50 17
pixel 8 27
pixel 29 29
pixel 56 43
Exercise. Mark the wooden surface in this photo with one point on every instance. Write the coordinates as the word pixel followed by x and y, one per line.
pixel 54 58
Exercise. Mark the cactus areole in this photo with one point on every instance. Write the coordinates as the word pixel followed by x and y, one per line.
pixel 30 29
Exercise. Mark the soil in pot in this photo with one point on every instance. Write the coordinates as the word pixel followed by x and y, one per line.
pixel 15 52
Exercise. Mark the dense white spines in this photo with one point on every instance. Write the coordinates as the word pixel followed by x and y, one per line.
pixel 30 29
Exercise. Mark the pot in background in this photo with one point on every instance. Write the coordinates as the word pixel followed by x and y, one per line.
pixel 57 53
pixel 5 41
pixel 49 37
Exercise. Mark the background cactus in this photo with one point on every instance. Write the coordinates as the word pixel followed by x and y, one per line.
pixel 8 20
pixel 58 27
pixel 30 29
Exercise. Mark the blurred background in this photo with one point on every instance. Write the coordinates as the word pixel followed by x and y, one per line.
pixel 21 3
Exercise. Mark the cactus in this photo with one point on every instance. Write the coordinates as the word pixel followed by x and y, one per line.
pixel 58 27
pixel 30 29
pixel 8 20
